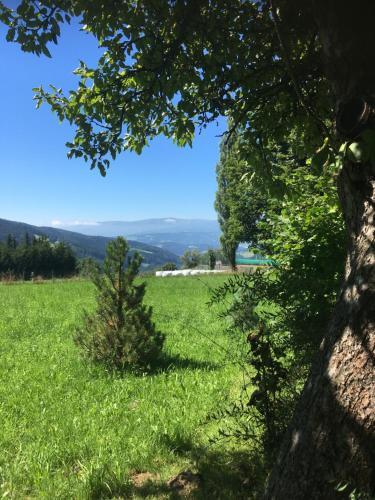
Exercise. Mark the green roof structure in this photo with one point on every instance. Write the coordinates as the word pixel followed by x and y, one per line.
pixel 254 262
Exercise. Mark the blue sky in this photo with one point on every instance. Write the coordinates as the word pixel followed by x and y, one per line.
pixel 40 185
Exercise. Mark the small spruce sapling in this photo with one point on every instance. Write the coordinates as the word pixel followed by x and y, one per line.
pixel 120 333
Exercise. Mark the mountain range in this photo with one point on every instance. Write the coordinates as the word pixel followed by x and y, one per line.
pixel 172 234
pixel 86 245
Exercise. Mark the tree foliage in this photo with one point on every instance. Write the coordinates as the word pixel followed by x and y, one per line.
pixel 239 206
pixel 169 266
pixel 211 258
pixel 281 313
pixel 87 266
pixel 212 255
pixel 120 333
pixel 170 67
pixel 190 259
pixel 36 256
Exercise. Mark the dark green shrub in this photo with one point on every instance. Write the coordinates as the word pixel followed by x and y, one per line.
pixel 120 333
pixel 190 259
pixel 211 258
pixel 282 312
pixel 87 266
pixel 169 266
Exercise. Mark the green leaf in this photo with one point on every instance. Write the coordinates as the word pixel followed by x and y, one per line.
pixel 45 51
pixel 11 34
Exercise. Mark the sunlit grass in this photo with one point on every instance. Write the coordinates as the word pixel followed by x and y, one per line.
pixel 72 430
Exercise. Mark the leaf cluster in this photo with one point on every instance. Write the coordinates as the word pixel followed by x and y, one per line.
pixel 281 313
pixel 171 67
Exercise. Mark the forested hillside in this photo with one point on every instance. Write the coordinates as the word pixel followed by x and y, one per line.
pixel 83 245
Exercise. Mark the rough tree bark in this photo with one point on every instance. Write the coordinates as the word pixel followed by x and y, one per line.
pixel 332 435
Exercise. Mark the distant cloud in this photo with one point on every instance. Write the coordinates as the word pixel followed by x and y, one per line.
pixel 83 223
pixel 170 220
pixel 57 222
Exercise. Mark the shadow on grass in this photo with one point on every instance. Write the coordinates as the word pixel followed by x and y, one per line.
pixel 103 488
pixel 167 363
pixel 231 475
pixel 225 474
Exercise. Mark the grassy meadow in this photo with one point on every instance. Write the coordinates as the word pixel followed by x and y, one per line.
pixel 72 430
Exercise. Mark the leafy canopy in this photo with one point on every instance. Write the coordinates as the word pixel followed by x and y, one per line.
pixel 282 312
pixel 239 206
pixel 170 67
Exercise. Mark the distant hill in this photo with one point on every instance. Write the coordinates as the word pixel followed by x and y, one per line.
pixel 175 235
pixel 86 245
pixel 179 242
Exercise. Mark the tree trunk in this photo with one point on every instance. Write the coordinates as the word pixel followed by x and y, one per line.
pixel 332 435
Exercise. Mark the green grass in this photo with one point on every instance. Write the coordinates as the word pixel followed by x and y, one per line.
pixel 72 430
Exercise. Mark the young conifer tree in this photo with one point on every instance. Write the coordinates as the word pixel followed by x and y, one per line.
pixel 120 333
pixel 211 258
